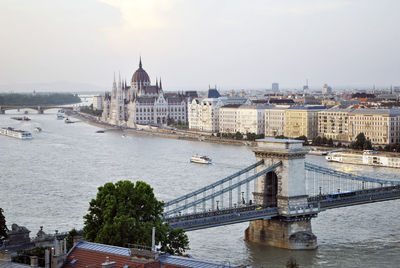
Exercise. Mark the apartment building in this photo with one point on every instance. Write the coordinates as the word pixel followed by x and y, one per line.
pixel 380 126
pixel 251 119
pixel 334 123
pixel 203 114
pixel 275 121
pixel 228 116
pixel 302 121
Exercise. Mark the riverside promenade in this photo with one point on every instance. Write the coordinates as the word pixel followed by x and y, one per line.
pixel 171 133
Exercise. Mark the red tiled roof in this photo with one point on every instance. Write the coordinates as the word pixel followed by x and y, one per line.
pixel 90 258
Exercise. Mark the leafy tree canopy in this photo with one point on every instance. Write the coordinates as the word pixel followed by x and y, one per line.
pixel 3 226
pixel 125 213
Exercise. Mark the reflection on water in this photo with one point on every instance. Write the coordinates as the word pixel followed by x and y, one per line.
pixel 50 180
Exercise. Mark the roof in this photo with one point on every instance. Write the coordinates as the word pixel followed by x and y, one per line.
pixel 376 111
pixel 312 107
pixel 231 106
pixel 188 262
pixel 87 254
pixel 140 75
pixel 9 264
pixel 213 93
pixel 279 101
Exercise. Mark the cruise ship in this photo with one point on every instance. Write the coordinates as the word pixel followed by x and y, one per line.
pixel 15 133
pixel 368 157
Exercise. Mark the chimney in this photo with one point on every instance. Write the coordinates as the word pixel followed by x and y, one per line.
pixel 109 264
pixel 153 239
pixel 5 255
pixel 34 261
pixel 76 239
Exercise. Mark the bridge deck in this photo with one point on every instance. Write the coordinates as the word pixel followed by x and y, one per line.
pixel 316 204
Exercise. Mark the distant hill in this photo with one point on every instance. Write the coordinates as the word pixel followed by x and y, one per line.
pixel 52 87
pixel 38 99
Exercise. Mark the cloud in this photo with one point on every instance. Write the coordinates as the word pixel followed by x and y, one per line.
pixel 144 14
pixel 303 8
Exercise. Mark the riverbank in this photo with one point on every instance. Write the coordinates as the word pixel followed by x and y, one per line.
pixel 158 132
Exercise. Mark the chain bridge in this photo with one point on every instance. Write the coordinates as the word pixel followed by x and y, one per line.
pixel 278 195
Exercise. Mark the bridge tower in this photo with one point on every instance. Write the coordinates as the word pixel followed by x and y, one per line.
pixel 284 188
pixel 2 111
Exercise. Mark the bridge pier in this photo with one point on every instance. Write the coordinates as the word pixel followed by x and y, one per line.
pixel 284 188
pixel 40 110
pixel 2 111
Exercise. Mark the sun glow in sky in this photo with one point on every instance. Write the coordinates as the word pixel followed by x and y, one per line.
pixel 191 44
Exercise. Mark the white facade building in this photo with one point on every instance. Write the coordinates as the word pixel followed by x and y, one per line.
pixel 203 114
pixel 251 119
pixel 97 102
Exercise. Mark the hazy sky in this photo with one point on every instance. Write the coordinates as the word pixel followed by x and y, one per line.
pixel 194 43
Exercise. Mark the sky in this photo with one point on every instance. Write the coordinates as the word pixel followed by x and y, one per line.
pixel 192 44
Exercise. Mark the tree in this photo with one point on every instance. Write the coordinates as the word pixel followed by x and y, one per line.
pixel 238 135
pixel 361 143
pixel 281 137
pixel 3 226
pixel 70 237
pixel 302 138
pixel 330 142
pixel 317 141
pixel 125 213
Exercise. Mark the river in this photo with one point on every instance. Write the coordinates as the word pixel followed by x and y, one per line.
pixel 49 181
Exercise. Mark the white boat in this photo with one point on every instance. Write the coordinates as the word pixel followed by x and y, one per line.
pixel 201 159
pixel 37 129
pixel 60 116
pixel 15 133
pixel 368 157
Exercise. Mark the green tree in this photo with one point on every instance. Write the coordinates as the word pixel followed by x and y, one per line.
pixel 23 256
pixel 324 140
pixel 70 237
pixel 330 142
pixel 238 135
pixel 251 136
pixel 302 138
pixel 281 137
pixel 361 143
pixel 3 226
pixel 317 141
pixel 125 213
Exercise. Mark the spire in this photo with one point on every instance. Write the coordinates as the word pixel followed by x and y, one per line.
pixel 156 82
pixel 160 84
pixel 140 62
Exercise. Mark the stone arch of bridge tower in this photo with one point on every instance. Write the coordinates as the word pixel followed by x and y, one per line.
pixel 271 189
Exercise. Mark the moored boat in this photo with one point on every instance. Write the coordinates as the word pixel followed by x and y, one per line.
pixel 21 118
pixel 368 157
pixel 201 159
pixel 15 133
pixel 60 116
pixel 37 129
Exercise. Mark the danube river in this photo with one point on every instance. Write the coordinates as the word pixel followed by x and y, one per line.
pixel 50 180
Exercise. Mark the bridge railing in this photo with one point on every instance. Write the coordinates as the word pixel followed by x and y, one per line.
pixel 349 176
pixel 213 185
pixel 220 192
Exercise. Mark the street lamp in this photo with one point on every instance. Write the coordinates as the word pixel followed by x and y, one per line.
pixel 217 204
pixel 243 201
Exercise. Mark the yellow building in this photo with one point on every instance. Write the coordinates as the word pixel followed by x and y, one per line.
pixel 302 121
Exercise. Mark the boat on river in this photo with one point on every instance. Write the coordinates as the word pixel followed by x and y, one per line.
pixel 15 133
pixel 368 157
pixel 60 116
pixel 200 159
pixel 21 118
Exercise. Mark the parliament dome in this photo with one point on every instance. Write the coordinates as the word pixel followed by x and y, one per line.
pixel 140 75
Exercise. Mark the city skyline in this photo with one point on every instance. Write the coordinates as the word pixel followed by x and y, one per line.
pixel 233 44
